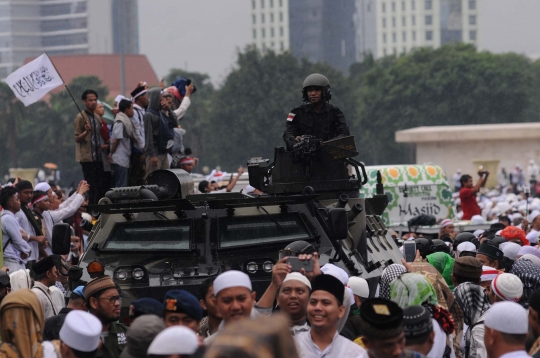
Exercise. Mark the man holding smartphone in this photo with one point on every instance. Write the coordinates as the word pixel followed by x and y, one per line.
pixel 467 194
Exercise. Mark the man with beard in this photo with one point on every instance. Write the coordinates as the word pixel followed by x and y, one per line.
pixel 103 301
pixel 88 145
pixel 316 117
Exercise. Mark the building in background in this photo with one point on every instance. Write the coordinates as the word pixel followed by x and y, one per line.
pixel 27 28
pixel 318 30
pixel 386 27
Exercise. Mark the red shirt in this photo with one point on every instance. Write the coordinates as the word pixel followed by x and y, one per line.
pixel 468 203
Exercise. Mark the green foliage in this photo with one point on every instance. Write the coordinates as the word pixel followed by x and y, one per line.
pixel 452 85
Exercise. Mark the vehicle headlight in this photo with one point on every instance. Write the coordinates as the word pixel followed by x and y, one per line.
pixel 252 267
pixel 138 273
pixel 121 274
pixel 267 266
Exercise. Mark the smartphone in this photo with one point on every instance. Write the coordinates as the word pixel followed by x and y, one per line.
pixel 297 264
pixel 409 250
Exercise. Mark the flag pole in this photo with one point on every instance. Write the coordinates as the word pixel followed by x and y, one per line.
pixel 65 85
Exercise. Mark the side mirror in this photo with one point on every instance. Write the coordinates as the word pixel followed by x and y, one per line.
pixel 338 223
pixel 61 239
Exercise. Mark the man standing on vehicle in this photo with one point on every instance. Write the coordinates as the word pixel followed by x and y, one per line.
pixel 316 117
pixel 467 194
pixel 88 146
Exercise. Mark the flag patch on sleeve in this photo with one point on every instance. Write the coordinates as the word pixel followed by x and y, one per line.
pixel 290 117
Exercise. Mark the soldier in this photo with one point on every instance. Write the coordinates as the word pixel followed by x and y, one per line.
pixel 316 117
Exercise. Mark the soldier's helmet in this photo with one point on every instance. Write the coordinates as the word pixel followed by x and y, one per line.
pixel 316 80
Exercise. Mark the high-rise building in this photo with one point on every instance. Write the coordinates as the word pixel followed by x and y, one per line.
pixel 385 27
pixel 318 30
pixel 66 27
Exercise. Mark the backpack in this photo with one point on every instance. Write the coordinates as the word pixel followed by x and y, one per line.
pixel 166 131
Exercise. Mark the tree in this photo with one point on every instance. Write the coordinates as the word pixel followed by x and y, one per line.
pixel 451 85
pixel 249 112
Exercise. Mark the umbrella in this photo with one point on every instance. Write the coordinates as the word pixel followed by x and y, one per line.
pixel 109 115
pixel 50 166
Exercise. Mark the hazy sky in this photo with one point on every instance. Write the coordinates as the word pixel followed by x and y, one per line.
pixel 197 35
pixel 205 35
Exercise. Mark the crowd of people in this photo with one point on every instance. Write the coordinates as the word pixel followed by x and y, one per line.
pixel 478 297
pixel 145 136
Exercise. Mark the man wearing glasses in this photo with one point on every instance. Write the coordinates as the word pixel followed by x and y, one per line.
pixel 103 301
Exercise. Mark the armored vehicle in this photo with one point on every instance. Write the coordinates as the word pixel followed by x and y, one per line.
pixel 155 238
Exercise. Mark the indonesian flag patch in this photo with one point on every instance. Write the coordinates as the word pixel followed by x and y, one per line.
pixel 290 117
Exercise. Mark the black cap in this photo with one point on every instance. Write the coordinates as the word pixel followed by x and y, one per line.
pixel 43 266
pixel 329 284
pixel 534 300
pixel 23 184
pixel 416 321
pixel 381 318
pixel 4 279
pixel 203 185
pixel 491 251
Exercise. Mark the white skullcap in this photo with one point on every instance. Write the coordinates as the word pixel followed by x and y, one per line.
pixel 510 250
pixel 175 340
pixel 533 215
pixel 20 279
pixel 477 233
pixel 498 233
pixel 81 331
pixel 466 246
pixel 477 220
pixel 42 187
pixel 488 274
pixel 340 274
pixel 507 317
pixel 531 257
pixel 507 287
pixel 337 272
pixel 119 98
pixel 230 279
pixel 359 287
pixel 297 276
pixel 446 222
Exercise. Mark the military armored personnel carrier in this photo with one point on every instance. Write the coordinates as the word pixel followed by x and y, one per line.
pixel 155 238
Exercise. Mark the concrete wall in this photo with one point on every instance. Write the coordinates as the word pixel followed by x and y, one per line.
pixel 453 155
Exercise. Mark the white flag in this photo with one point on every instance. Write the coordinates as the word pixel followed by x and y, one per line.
pixel 34 80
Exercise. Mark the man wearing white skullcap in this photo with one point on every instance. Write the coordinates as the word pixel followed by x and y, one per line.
pixel 44 187
pixel 293 300
pixel 447 228
pixel 80 335
pixel 235 299
pixel 510 250
pixel 340 274
pixel 466 247
pixel 506 328
pixel 534 229
pixel 175 341
pixel 505 287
